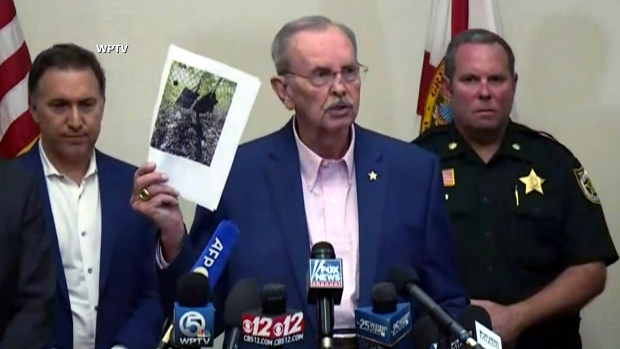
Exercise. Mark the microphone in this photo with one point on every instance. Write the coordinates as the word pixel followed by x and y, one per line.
pixel 244 297
pixel 474 318
pixel 274 325
pixel 215 255
pixel 386 322
pixel 405 279
pixel 426 334
pixel 478 322
pixel 193 314
pixel 211 261
pixel 324 284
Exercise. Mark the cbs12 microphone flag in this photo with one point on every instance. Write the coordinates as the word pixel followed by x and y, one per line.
pixel 448 18
pixel 275 330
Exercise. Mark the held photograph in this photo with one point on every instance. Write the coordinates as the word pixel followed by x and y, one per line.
pixel 201 111
pixel 192 113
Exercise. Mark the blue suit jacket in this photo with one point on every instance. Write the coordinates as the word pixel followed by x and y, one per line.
pixel 129 311
pixel 402 220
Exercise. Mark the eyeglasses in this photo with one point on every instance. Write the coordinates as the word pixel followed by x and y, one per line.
pixel 325 77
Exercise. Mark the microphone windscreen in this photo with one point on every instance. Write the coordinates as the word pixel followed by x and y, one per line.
pixel 401 276
pixel 383 292
pixel 468 317
pixel 383 298
pixel 244 297
pixel 273 298
pixel 425 333
pixel 323 250
pixel 193 290
pixel 273 292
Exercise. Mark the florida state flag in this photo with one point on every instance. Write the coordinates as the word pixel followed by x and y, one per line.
pixel 448 18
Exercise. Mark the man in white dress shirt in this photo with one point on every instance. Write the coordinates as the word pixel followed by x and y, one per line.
pixel 106 291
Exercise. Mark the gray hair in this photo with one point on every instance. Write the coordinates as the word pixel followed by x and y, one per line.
pixel 281 43
pixel 475 36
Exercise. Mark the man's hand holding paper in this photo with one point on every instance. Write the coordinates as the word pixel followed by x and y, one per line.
pixel 157 200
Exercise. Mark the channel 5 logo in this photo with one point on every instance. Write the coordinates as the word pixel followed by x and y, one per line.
pixel 192 324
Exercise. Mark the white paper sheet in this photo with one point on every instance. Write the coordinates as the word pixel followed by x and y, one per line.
pixel 193 141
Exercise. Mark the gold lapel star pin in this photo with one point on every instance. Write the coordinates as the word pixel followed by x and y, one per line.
pixel 452 146
pixel 532 182
pixel 372 175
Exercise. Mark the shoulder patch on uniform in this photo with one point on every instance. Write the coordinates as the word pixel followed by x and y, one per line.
pixel 586 185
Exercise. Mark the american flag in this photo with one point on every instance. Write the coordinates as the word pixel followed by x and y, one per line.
pixel 448 177
pixel 18 131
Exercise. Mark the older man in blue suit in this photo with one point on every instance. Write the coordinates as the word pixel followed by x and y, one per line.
pixel 106 293
pixel 377 200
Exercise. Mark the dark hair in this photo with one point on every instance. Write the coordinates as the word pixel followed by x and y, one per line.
pixel 475 36
pixel 65 56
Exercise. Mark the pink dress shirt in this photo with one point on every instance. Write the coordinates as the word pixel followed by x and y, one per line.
pixel 330 200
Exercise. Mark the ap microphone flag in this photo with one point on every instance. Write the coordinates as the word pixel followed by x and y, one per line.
pixel 215 255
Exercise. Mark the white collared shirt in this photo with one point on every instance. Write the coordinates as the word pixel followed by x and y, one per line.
pixel 330 201
pixel 77 218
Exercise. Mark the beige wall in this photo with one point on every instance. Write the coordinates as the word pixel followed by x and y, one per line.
pixel 567 56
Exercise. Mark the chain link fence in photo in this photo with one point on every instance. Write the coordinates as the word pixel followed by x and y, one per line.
pixel 192 113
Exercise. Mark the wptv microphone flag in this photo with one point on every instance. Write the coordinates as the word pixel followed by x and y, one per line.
pixel 448 18
pixel 18 131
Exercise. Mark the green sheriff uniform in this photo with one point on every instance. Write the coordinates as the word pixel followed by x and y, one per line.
pixel 520 220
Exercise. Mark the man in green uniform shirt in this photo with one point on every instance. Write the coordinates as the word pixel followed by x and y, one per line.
pixel 532 242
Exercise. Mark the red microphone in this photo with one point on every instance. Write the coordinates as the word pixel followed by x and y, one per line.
pixel 274 325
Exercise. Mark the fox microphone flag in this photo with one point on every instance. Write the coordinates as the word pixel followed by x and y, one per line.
pixel 215 255
pixel 325 286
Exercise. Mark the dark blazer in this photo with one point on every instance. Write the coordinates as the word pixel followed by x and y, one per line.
pixel 129 311
pixel 27 281
pixel 402 220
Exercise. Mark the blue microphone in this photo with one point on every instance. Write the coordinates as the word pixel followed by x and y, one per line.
pixel 385 323
pixel 193 323
pixel 212 261
pixel 324 285
pixel 215 255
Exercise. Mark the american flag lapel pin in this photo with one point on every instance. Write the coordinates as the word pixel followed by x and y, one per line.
pixel 448 177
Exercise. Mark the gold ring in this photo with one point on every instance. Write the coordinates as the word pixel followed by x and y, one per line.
pixel 144 194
